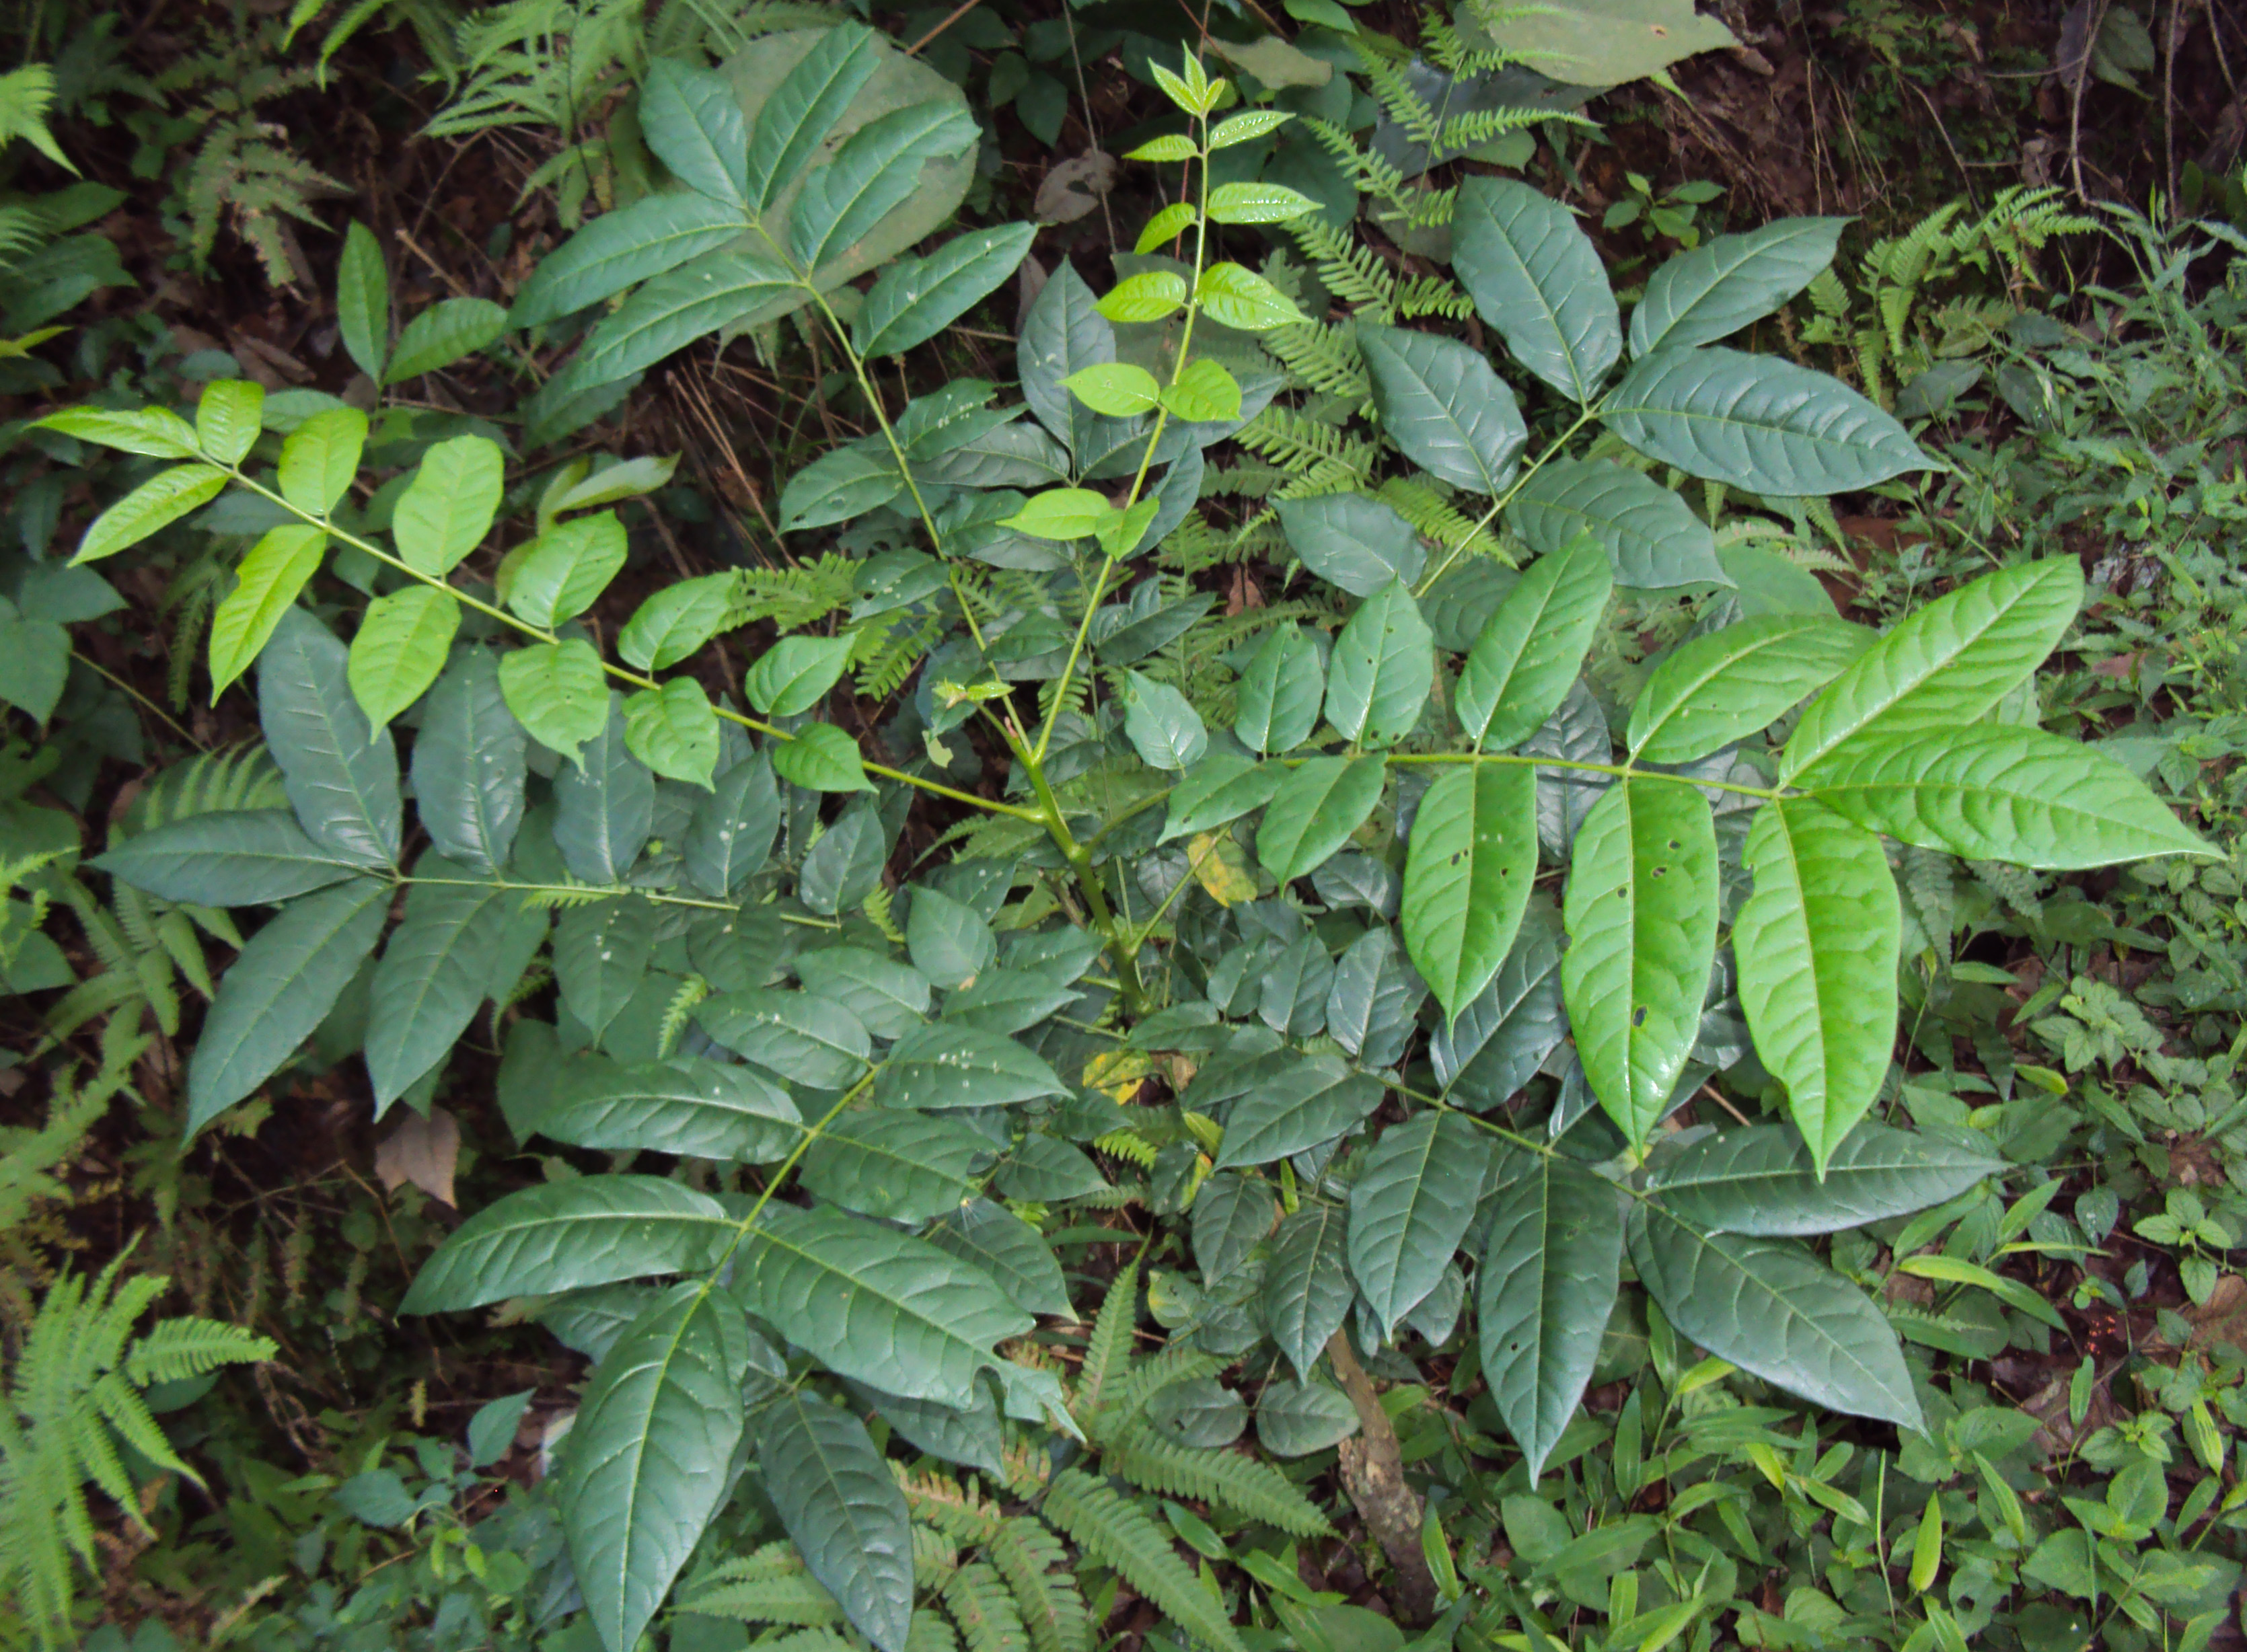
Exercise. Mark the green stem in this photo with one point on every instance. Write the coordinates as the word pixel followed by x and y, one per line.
pixel 620 672
pixel 599 892
pixel 1121 949
pixel 1504 500
pixel 1621 771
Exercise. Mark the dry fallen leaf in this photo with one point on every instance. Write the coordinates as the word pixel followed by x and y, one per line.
pixel 1074 188
pixel 422 1151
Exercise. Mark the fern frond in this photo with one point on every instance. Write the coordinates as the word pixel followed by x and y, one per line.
pixel 954 1507
pixel 876 906
pixel 1120 1537
pixel 978 1601
pixel 1127 1144
pixel 1242 1483
pixel 792 598
pixel 1324 359
pixel 1127 1395
pixel 184 1348
pixel 771 1586
pixel 1352 270
pixel 1437 518
pixel 1108 1354
pixel 1034 1565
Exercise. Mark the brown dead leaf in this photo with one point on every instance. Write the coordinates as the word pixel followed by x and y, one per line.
pixel 422 1151
pixel 1074 187
pixel 2224 1319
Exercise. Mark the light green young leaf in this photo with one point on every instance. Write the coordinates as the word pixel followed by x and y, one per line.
pixel 1730 281
pixel 1444 406
pixel 1536 277
pixel 432 975
pixel 557 691
pixel 266 584
pixel 1244 127
pixel 1947 664
pixel 1162 724
pixel 1115 387
pixel 1232 297
pixel 914 299
pixel 1467 876
pixel 564 1236
pixel 611 484
pixel 1533 646
pixel 1818 942
pixel 400 649
pixel 796 674
pixel 1257 204
pixel 1640 911
pixel 871 1303
pixel 1281 692
pixel 1204 392
pixel 280 988
pixel 363 301
pixel 1992 791
pixel 1409 1207
pixel 656 233
pixel 227 418
pixel 1350 540
pixel 673 730
pixel 1151 295
pixel 1170 146
pixel 1169 224
pixel 565 569
pixel 835 1498
pixel 1549 1276
pixel 1653 539
pixel 442 335
pixel 1773 1310
pixel 157 502
pixel 1060 513
pixel 448 508
pixel 676 621
pixel 1758 423
pixel 1763 1180
pixel 320 457
pixel 805 107
pixel 1382 669
pixel 1723 687
pixel 156 433
pixel 692 118
pixel 649 1461
pixel 822 758
pixel 1315 811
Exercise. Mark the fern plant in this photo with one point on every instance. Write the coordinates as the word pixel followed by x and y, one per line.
pixel 73 1411
pixel 1250 933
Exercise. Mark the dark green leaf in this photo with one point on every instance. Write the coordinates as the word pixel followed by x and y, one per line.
pixel 433 973
pixel 1654 541
pixel 654 234
pixel 1504 1034
pixel 1775 1311
pixel 876 1305
pixel 1371 1007
pixel 1352 541
pixel 802 111
pixel 1547 1285
pixel 704 1109
pixel 363 300
pixel 1729 281
pixel 601 954
pixel 649 1461
pixel 246 858
pixel 835 1498
pixel 603 805
pixel 678 307
pixel 731 835
pixel 341 776
pixel 945 1065
pixel 1536 278
pixel 443 333
pixel 1220 788
pixel 878 169
pixel 692 118
pixel 891 997
pixel 902 1167
pixel 1764 1180
pixel 1307 1284
pixel 596 1230
pixel 916 298
pixel 1310 1103
pixel 1011 1251
pixel 281 988
pixel 470 760
pixel 1757 422
pixel 1232 1215
pixel 1281 692
pixel 1444 407
pixel 950 942
pixel 791 1035
pixel 845 865
pixel 1409 1209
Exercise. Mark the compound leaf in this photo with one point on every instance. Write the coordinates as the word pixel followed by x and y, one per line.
pixel 1409 1207
pixel 832 1490
pixel 1467 876
pixel 1535 277
pixel 1520 667
pixel 562 1236
pixel 1444 407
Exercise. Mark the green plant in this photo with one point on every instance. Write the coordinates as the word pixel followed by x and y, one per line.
pixel 1671 214
pixel 1277 834
pixel 75 1403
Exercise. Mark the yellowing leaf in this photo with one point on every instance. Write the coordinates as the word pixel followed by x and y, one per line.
pixel 1221 865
